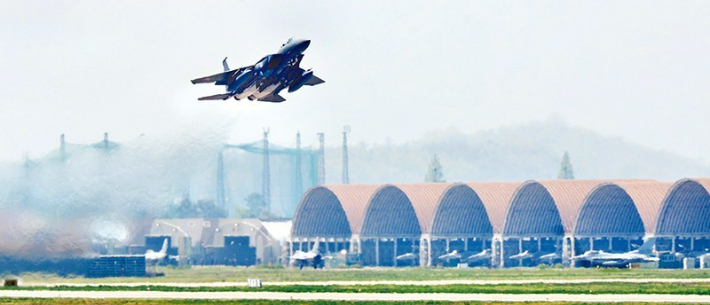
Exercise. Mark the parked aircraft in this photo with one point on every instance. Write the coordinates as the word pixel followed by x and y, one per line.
pixel 485 254
pixel 550 257
pixel 522 255
pixel 407 256
pixel 451 255
pixel 310 258
pixel 153 256
pixel 619 260
pixel 264 80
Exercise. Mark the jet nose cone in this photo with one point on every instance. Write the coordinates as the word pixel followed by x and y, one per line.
pixel 305 44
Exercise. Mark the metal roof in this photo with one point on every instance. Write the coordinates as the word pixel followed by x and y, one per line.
pixel 496 198
pixel 685 209
pixel 390 213
pixel 332 210
pixel 424 198
pixel 648 197
pixel 620 208
pixel 547 207
pixel 460 212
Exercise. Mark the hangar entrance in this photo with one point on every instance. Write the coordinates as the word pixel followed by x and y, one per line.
pixel 607 244
pixel 464 246
pixel 535 247
pixel 683 244
pixel 330 245
pixel 384 251
pixel 684 220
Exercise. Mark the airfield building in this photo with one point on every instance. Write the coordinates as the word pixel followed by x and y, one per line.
pixel 214 241
pixel 518 223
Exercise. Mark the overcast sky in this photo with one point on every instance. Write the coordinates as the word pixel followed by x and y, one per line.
pixel 393 70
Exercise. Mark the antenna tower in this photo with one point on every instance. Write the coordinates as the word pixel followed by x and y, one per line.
pixel 346 175
pixel 221 200
pixel 298 176
pixel 266 183
pixel 321 158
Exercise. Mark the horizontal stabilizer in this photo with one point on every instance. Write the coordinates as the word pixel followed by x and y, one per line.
pixel 215 97
pixel 272 98
pixel 314 81
pixel 219 77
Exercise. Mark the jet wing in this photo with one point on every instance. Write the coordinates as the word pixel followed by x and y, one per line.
pixel 314 81
pixel 223 97
pixel 219 78
pixel 272 98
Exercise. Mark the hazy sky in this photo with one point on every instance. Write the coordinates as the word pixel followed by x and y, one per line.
pixel 636 70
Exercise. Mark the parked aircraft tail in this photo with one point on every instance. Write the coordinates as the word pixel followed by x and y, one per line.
pixel 164 249
pixel 315 246
pixel 647 246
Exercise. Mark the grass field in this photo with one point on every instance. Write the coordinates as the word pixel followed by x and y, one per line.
pixel 181 302
pixel 589 288
pixel 236 274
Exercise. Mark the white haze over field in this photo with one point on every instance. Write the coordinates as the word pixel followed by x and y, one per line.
pixel 55 207
pixel 626 83
pixel 394 70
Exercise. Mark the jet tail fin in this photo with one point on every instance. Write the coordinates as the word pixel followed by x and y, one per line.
pixel 647 246
pixel 316 245
pixel 225 65
pixel 164 249
pixel 223 96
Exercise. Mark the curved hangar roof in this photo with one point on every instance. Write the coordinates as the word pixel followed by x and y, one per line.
pixel 332 210
pixel 546 208
pixel 686 209
pixel 474 209
pixel 621 208
pixel 403 209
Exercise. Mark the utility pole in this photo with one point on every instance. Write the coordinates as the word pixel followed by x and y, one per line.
pixel 298 183
pixel 62 148
pixel 105 143
pixel 266 183
pixel 321 158
pixel 221 200
pixel 346 174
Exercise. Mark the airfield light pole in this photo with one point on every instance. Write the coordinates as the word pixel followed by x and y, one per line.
pixel 346 175
pixel 62 148
pixel 321 158
pixel 266 183
pixel 221 198
pixel 299 178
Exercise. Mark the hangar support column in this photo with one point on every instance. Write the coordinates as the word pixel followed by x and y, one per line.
pixel 377 251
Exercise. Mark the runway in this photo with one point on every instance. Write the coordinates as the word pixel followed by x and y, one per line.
pixel 399 283
pixel 408 297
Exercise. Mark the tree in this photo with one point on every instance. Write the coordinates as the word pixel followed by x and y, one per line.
pixel 434 173
pixel 566 168
pixel 255 204
pixel 186 208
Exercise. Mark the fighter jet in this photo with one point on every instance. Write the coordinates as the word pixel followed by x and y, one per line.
pixel 452 255
pixel 264 80
pixel 550 257
pixel 153 256
pixel 619 260
pixel 485 254
pixel 312 257
pixel 407 256
pixel 523 255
